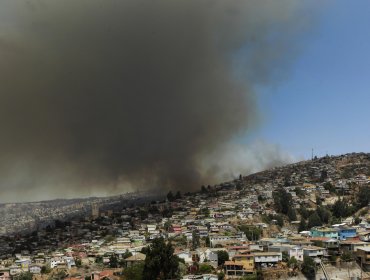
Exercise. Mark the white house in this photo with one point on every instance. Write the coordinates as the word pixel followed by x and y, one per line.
pixel 267 258
pixel 297 253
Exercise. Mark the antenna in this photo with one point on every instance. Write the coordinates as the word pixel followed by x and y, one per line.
pixel 312 154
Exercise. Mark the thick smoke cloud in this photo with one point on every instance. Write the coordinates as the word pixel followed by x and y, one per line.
pixel 132 93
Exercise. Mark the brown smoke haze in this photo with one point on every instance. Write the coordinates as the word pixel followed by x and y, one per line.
pixel 119 95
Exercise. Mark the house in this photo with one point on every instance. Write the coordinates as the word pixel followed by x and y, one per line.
pixel 15 270
pixel 265 259
pixel 247 260
pixel 345 232
pixel 236 269
pixel 151 228
pixel 296 252
pixel 186 256
pixel 363 255
pixel 5 274
pixel 135 259
pixel 324 232
pixel 176 229
pixel 364 236
pixel 35 269
pixel 23 263
pixel 352 245
pixel 106 274
pixel 200 277
pixel 314 251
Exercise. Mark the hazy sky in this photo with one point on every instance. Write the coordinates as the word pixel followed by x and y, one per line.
pixel 103 97
pixel 325 102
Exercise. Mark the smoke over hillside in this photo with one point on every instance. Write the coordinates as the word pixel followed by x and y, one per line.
pixel 126 94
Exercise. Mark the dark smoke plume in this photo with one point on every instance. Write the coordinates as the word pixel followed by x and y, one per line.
pixel 134 93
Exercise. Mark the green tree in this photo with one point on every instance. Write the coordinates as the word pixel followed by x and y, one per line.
pixel 205 268
pixel 99 259
pixel 340 208
pixel 302 225
pixel 126 254
pixel 308 267
pixel 195 240
pixel 24 276
pixel 299 192
pixel 251 232
pixel 282 201
pixel 279 220
pixel 160 262
pixel 314 220
pixel 208 242
pixel 293 263
pixel 304 213
pixel 134 272
pixel 324 214
pixel 291 214
pixel 363 196
pixel 221 275
pixel 347 256
pixel 113 261
pixel 223 256
pixel 45 269
pixel 329 187
pixel 77 262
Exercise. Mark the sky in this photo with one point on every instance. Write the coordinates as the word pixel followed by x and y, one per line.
pixel 324 104
pixel 245 86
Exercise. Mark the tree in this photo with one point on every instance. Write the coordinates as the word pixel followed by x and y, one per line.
pixel 314 220
pixel 329 187
pixel 279 220
pixel 221 276
pixel 302 225
pixel 282 201
pixel 251 232
pixel 324 214
pixel 363 196
pixel 24 276
pixel 223 256
pixel 178 195
pixel 324 175
pixel 160 262
pixel 308 267
pixel 195 240
pixel 293 263
pixel 77 262
pixel 347 256
pixel 291 214
pixel 113 261
pixel 304 213
pixel 134 272
pixel 203 189
pixel 170 196
pixel 208 242
pixel 45 269
pixel 205 268
pixel 299 192
pixel 340 208
pixel 126 254
pixel 99 259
